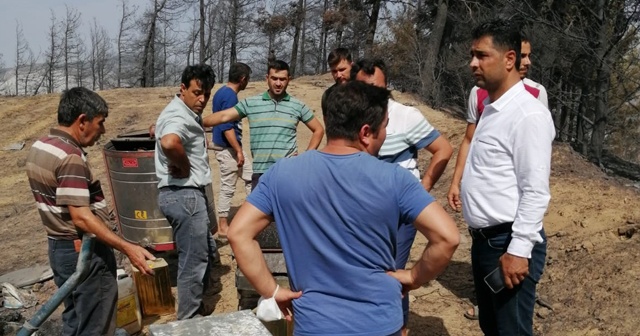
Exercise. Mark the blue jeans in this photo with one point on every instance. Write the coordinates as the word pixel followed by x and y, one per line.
pixel 90 308
pixel 510 311
pixel 187 211
pixel 406 236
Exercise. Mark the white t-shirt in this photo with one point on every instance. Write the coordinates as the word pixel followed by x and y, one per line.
pixel 473 105
pixel 407 132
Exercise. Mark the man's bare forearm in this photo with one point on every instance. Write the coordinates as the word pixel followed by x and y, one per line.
pixel 316 138
pixel 173 149
pixel 460 162
pixel 230 135
pixel 221 117
pixel 251 262
pixel 443 237
pixel 246 225
pixel 442 151
pixel 433 261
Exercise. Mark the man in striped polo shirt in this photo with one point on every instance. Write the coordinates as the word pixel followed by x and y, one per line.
pixel 71 203
pixel 273 120
pixel 407 132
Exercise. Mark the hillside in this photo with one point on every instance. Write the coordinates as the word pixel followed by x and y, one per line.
pixel 591 275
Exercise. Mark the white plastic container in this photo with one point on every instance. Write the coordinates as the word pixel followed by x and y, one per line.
pixel 128 315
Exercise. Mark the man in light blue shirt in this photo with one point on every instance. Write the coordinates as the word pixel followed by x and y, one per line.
pixel 182 166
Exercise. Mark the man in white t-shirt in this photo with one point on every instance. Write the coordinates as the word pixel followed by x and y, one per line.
pixel 408 132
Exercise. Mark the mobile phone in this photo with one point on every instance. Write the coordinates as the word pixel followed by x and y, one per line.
pixel 495 280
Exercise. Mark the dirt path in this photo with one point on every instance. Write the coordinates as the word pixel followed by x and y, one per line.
pixel 591 275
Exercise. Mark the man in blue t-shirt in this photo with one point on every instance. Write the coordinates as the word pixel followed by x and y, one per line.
pixel 337 214
pixel 227 144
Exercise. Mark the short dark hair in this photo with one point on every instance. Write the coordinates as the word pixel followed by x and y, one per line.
pixel 353 105
pixel 368 66
pixel 77 101
pixel 278 65
pixel 505 35
pixel 201 73
pixel 338 54
pixel 524 37
pixel 237 71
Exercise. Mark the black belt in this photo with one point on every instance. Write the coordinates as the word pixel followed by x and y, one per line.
pixel 490 232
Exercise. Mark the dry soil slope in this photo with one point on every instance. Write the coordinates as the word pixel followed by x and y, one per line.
pixel 592 275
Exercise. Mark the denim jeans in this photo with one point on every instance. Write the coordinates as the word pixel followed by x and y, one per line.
pixel 510 311
pixel 91 307
pixel 186 209
pixel 406 236
pixel 229 173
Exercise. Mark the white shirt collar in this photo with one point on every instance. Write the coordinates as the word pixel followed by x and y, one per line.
pixel 506 97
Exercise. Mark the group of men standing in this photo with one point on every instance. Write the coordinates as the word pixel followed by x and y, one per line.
pixel 324 201
pixel 183 168
pixel 346 215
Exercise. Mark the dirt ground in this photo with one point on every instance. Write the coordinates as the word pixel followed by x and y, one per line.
pixel 593 267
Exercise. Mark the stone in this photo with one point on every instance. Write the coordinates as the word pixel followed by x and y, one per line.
pixel 626 231
pixel 16 146
pixel 543 313
pixel 559 234
pixel 28 276
pixel 268 238
pixel 239 323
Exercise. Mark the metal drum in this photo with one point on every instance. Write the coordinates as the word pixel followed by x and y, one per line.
pixel 134 186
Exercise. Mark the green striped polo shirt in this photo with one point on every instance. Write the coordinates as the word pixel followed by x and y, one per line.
pixel 273 126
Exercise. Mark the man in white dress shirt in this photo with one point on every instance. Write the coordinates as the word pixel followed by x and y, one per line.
pixel 505 184
pixel 475 107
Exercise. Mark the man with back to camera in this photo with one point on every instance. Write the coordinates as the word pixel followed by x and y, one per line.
pixel 340 62
pixel 71 204
pixel 273 119
pixel 408 131
pixel 337 212
pixel 227 144
pixel 505 185
pixel 182 167
pixel 475 108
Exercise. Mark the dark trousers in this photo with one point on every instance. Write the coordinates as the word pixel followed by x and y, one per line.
pixel 90 308
pixel 406 236
pixel 510 311
pixel 255 178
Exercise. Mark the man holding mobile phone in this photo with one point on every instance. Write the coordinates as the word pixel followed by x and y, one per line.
pixel 505 185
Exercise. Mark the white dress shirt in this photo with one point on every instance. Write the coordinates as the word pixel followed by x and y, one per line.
pixel 506 175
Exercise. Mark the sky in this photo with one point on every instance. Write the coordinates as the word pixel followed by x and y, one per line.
pixel 35 17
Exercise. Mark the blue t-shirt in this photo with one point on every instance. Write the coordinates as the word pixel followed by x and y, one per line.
pixel 337 218
pixel 225 98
